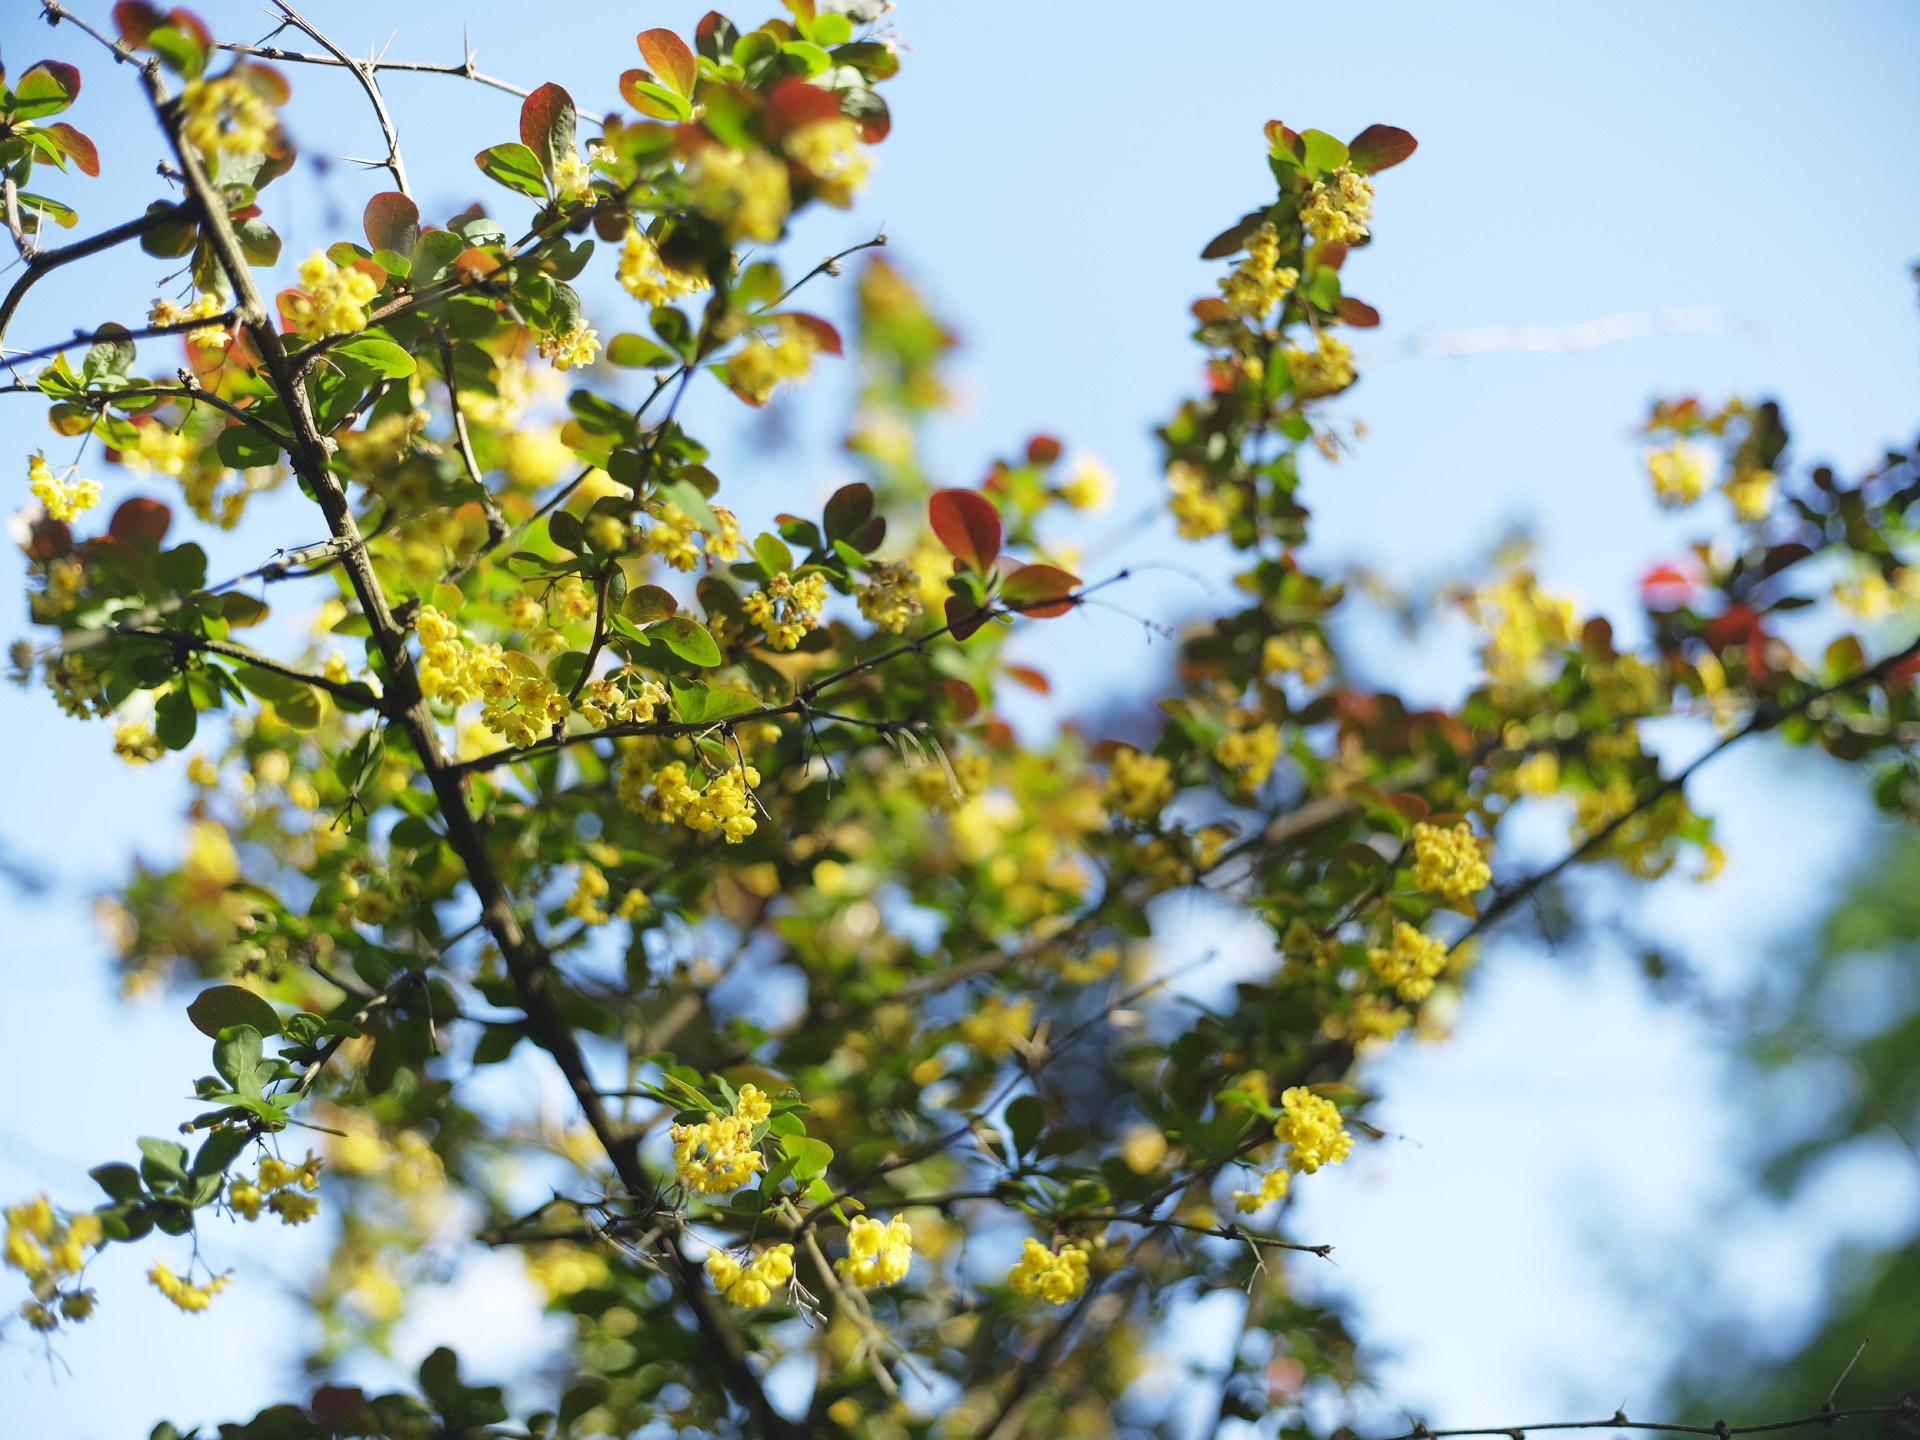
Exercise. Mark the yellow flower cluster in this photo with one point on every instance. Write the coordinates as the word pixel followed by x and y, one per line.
pixel 609 702
pixel 1872 596
pixel 585 902
pixel 50 1251
pixel 204 307
pixel 1199 510
pixel 1260 281
pixel 1751 492
pixel 1411 964
pixel 891 596
pixel 997 1026
pixel 1138 785
pixel 1522 622
pixel 226 116
pixel 1323 370
pixel 787 609
pixel 648 278
pixel 877 1254
pixel 561 1270
pixel 571 349
pixel 522 708
pixel 183 1293
pixel 1337 212
pixel 759 366
pixel 1448 862
pixel 135 742
pixel 1273 1186
pixel 829 150
pixel 572 179
pixel 753 1283
pixel 332 299
pixel 1302 653
pixel 1251 752
pixel 1679 472
pixel 1310 1126
pixel 725 805
pixel 1053 1276
pixel 672 533
pixel 278 1188
pixel 64 499
pixel 743 191
pixel 1371 1019
pixel 716 1155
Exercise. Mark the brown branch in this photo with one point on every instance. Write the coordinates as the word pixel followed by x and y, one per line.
pixel 1826 1415
pixel 496 523
pixel 364 74
pixel 116 333
pixel 45 262
pixel 464 70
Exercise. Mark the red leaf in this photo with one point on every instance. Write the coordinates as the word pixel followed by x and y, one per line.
pixel 964 617
pixel 140 520
pixel 546 124
pixel 1030 678
pixel 963 701
pixel 1041 591
pixel 1212 310
pixel 1735 625
pixel 136 21
pixel 825 337
pixel 669 58
pixel 1042 450
pixel 1665 587
pixel 392 222
pixel 794 103
pixel 1357 313
pixel 59 76
pixel 77 145
pixel 968 525
pixel 1379 146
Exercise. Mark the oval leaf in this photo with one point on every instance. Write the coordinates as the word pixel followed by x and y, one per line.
pixel 215 1009
pixel 377 354
pixel 668 57
pixel 968 525
pixel 546 125
pixel 686 638
pixel 392 222
pixel 1379 146
pixel 1041 591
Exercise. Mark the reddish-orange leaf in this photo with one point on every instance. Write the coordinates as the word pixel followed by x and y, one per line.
pixel 964 617
pixel 1379 146
pixel 1357 313
pixel 136 21
pixel 669 58
pixel 545 111
pixel 1030 678
pixel 824 335
pixel 473 263
pixel 1212 310
pixel 968 525
pixel 140 520
pixel 392 222
pixel 1040 591
pixel 963 701
pixel 77 145
pixel 1042 450
pixel 794 103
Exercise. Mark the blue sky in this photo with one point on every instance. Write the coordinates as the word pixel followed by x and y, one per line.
pixel 1053 172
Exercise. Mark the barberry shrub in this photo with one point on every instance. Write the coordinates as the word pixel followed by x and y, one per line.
pixel 575 766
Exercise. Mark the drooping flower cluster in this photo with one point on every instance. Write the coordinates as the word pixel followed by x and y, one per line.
pixel 226 116
pixel 51 1252
pixel 614 701
pixel 1138 785
pixel 648 278
pixel 585 904
pixel 332 299
pixel 726 804
pixel 713 1156
pixel 204 307
pixel 743 191
pixel 891 596
pixel 278 1187
pixel 829 150
pixel 673 532
pixel 753 1283
pixel 1324 370
pixel 1310 1126
pixel 1273 1186
pixel 1199 510
pixel 520 707
pixel 1053 1276
pixel 788 609
pixel 1301 653
pixel 1260 281
pixel 1523 624
pixel 573 348
pixel 877 1253
pixel 759 366
pixel 1411 964
pixel 1680 473
pixel 1337 208
pixel 184 1293
pixel 1250 751
pixel 64 499
pixel 1448 862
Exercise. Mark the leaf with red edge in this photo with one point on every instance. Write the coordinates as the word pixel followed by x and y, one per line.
pixel 46 89
pixel 963 701
pixel 662 103
pixel 546 125
pixel 826 339
pixel 964 617
pixel 1232 239
pixel 668 57
pixel 968 525
pixel 76 145
pixel 140 521
pixel 1042 450
pixel 715 35
pixel 1379 146
pixel 1039 591
pixel 392 222
pixel 136 21
pixel 794 104
pixel 1030 678
pixel 1356 313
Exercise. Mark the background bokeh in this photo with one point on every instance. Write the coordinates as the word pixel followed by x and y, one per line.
pixel 1564 1208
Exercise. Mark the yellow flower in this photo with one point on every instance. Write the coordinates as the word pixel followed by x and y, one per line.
pixel 188 1296
pixel 1448 862
pixel 332 299
pixel 1310 1126
pixel 1260 281
pixel 1324 370
pixel 292 1207
pixel 1679 472
pixel 572 179
pixel 829 149
pixel 648 278
pixel 63 499
pixel 877 1254
pixel 718 1154
pixel 584 904
pixel 1251 752
pixel 1053 1276
pixel 1138 785
pixel 891 597
pixel 1273 1186
pixel 1413 963
pixel 753 1283
pixel 226 116
pixel 1199 509
pixel 571 349
pixel 743 191
pixel 1337 212
pixel 244 1198
pixel 759 366
pixel 1751 492
pixel 1301 653
pixel 788 609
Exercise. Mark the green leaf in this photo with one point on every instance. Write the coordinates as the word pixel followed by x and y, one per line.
pixel 832 28
pixel 45 89
pixel 1322 152
pixel 236 1054
pixel 218 1150
pixel 810 1156
pixel 163 1162
pixel 647 603
pixel 847 510
pixel 638 352
pixel 120 1181
pixel 563 526
pixel 772 553
pixel 245 448
pixel 222 1007
pixel 699 703
pixel 175 720
pixel 516 167
pixel 688 639
pixel 1024 1117
pixel 379 355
